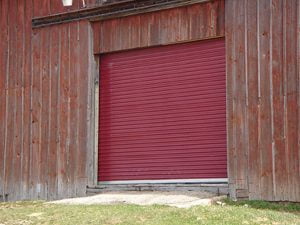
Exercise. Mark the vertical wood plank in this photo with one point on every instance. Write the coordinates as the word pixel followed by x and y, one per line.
pixel 265 144
pixel 197 20
pixel 35 169
pixel 125 34
pixel 240 123
pixel 11 92
pixel 230 7
pixel 97 37
pixel 84 80
pixel 3 42
pixel 144 30
pixel 56 6
pixel 114 36
pixel 212 18
pixel 26 100
pixel 54 112
pixel 3 86
pixel 18 65
pixel 252 68
pixel 41 8
pixel 155 29
pixel 298 72
pixel 63 161
pixel 135 32
pixel 292 99
pixel 278 101
pixel 45 107
pixel 106 40
pixel 221 18
pixel 74 103
pixel 168 26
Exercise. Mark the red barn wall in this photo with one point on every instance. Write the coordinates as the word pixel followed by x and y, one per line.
pixel 43 105
pixel 189 23
pixel 45 94
pixel 263 74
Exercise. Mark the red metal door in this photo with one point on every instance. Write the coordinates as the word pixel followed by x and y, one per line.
pixel 163 113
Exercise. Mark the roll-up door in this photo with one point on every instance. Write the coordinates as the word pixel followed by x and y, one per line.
pixel 163 113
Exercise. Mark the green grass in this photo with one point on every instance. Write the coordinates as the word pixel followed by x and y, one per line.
pixel 284 207
pixel 239 213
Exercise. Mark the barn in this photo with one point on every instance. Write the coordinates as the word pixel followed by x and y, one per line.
pixel 111 94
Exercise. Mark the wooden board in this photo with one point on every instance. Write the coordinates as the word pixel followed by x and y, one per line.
pixel 42 94
pixel 46 98
pixel 271 143
pixel 189 23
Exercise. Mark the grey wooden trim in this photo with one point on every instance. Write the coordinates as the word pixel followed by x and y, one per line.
pixel 92 133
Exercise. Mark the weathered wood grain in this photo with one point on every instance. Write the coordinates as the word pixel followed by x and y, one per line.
pixel 265 71
pixel 280 170
pixel 35 116
pixel 27 78
pixel 292 90
pixel 18 138
pixel 64 91
pixel 189 23
pixel 85 172
pixel 45 110
pixel 240 75
pixel 230 100
pixel 47 77
pixel 74 106
pixel 41 8
pixel 253 100
pixel 53 132
pixel 44 76
pixel 298 71
pixel 3 93
pixel 272 69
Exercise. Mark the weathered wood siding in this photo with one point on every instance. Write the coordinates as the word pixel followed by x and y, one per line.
pixel 45 90
pixel 43 105
pixel 183 24
pixel 263 71
pixel 46 82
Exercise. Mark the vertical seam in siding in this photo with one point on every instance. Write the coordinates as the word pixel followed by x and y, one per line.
pixel 49 112
pixel 271 99
pixel 22 101
pixel 41 62
pixel 6 105
pixel 92 157
pixel 259 92
pixel 285 90
pixel 11 180
pixel 77 150
pixel 31 104
pixel 246 52
pixel 94 72
pixel 247 95
pixel 234 106
pixel 58 116
pixel 68 138
pixel 298 72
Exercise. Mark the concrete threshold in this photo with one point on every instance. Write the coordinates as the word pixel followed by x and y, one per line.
pixel 217 189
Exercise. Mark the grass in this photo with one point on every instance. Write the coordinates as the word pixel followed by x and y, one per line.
pixel 233 213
